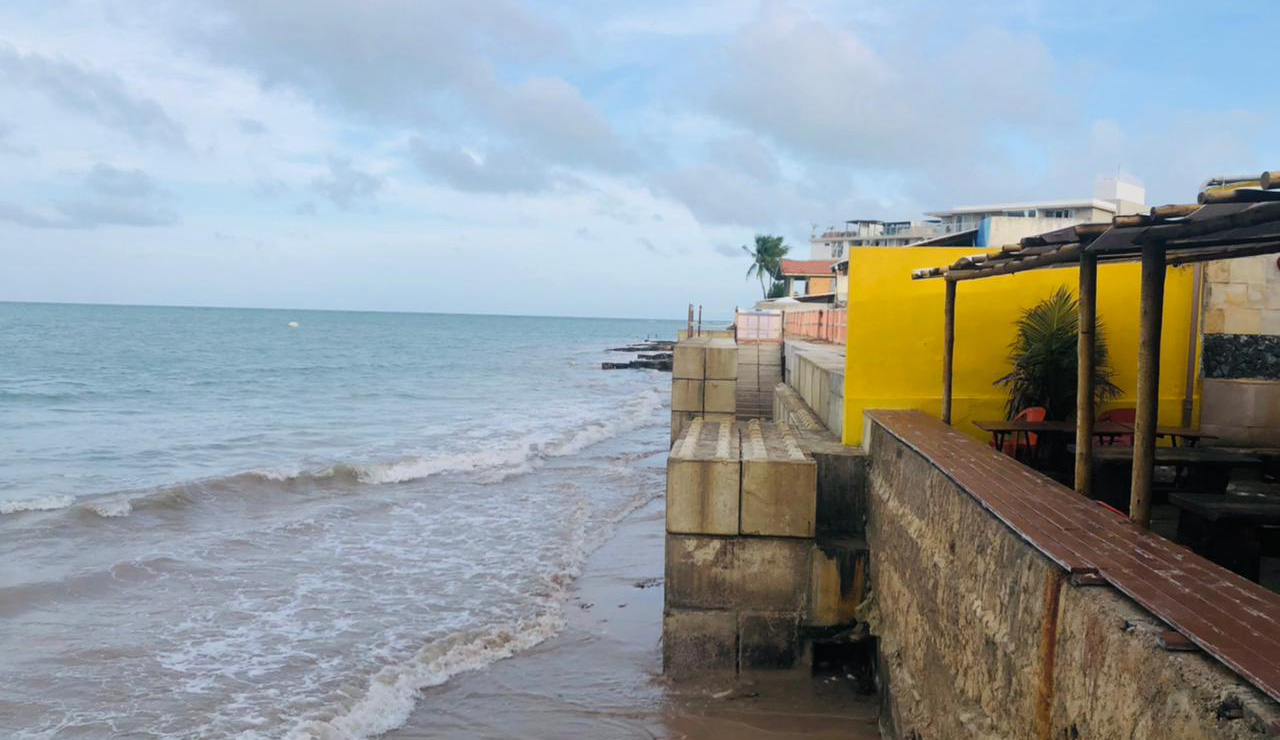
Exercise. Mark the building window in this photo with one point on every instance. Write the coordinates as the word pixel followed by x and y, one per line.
pixel 1058 213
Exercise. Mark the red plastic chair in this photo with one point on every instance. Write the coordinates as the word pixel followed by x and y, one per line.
pixel 1013 445
pixel 1121 416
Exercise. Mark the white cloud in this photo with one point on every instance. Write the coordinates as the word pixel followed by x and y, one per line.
pixel 98 95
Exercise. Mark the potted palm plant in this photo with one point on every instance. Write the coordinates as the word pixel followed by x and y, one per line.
pixel 1044 359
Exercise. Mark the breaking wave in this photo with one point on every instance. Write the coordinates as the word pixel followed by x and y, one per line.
pixel 514 457
pixel 42 503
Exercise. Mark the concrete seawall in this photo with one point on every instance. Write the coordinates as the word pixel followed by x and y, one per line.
pixel 981 635
pixel 765 563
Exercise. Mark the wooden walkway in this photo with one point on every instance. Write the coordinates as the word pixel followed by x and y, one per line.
pixel 1231 618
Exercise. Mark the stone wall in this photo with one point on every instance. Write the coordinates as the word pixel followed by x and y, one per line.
pixel 980 635
pixel 1240 356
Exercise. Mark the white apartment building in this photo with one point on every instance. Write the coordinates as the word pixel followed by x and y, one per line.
pixel 985 225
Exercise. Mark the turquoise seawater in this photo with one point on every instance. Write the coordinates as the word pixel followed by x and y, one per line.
pixel 226 523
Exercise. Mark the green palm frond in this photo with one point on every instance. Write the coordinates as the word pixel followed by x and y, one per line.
pixel 766 259
pixel 1045 361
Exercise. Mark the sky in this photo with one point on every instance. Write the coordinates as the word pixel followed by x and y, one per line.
pixel 580 157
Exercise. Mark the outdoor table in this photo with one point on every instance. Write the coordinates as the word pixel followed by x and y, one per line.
pixel 1001 429
pixel 1188 435
pixel 1207 469
pixel 1226 529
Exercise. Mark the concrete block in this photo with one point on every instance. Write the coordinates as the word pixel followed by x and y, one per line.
pixel 1252 270
pixel 1242 321
pixel 779 483
pixel 721 360
pixel 839 581
pixel 1218 271
pixel 680 421
pixel 720 396
pixel 763 573
pixel 1214 321
pixel 689 359
pixel 697 643
pixel 768 641
pixel 1233 295
pixel 686 395
pixel 703 476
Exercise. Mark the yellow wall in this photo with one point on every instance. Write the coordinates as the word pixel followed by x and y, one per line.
pixel 894 353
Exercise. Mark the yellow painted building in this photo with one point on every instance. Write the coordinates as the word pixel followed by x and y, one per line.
pixel 894 355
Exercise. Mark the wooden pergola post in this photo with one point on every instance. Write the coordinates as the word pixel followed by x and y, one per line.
pixel 1088 323
pixel 1144 433
pixel 948 348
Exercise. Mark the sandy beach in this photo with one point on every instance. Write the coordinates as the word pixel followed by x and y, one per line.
pixel 601 676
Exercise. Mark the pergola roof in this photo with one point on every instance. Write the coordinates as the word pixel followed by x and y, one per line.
pixel 1233 220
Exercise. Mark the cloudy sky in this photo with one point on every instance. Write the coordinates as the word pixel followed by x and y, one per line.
pixel 578 157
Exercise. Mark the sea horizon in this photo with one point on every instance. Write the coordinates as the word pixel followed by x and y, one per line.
pixel 361 310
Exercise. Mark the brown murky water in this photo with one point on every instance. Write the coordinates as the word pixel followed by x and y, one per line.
pixel 600 678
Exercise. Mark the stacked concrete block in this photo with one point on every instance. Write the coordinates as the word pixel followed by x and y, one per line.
pixel 704 381
pixel 688 365
pixel 779 483
pixel 704 472
pixel 759 370
pixel 741 554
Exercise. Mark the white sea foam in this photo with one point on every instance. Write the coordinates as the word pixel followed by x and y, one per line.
pixel 393 691
pixel 42 503
pixel 111 508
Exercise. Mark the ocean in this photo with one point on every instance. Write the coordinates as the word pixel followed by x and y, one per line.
pixel 237 523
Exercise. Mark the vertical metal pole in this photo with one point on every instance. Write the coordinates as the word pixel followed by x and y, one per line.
pixel 948 348
pixel 699 319
pixel 1144 433
pixel 1085 361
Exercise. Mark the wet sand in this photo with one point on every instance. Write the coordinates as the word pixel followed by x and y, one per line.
pixel 601 677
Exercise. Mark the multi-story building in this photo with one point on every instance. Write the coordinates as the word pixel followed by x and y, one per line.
pixel 1006 223
pixel 834 243
pixel 984 225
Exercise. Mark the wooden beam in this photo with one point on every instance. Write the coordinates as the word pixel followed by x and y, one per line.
pixel 1136 219
pixel 1144 431
pixel 1088 321
pixel 1175 210
pixel 948 348
pixel 1258 213
pixel 1270 180
pixel 1237 195
pixel 1086 232
pixel 1224 253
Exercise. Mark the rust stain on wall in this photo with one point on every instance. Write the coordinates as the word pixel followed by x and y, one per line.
pixel 1048 653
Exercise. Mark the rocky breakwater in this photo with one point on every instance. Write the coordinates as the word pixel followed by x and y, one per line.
pixel 650 355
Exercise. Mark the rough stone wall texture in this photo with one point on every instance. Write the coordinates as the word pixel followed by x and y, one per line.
pixel 1240 357
pixel 982 636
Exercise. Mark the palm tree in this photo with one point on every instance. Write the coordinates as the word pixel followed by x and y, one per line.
pixel 1044 358
pixel 766 260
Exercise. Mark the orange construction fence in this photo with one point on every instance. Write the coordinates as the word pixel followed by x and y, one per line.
pixel 827 325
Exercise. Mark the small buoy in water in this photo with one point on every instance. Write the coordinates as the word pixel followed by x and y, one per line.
pixel 293 325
